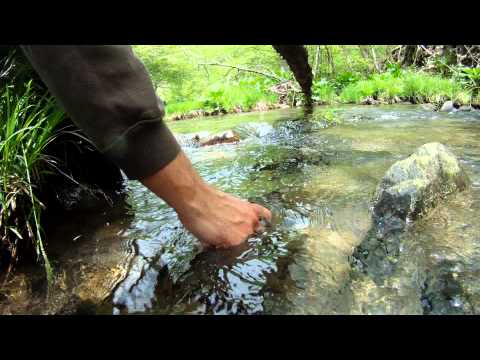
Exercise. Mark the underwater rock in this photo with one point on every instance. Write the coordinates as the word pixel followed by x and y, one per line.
pixel 225 137
pixel 413 185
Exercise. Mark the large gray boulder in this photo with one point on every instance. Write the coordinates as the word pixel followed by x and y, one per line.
pixel 413 185
pixel 408 190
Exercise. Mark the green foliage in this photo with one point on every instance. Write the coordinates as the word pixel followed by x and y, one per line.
pixel 420 87
pixel 344 79
pixel 442 65
pixel 323 91
pixel 27 123
pixel 182 73
pixel 406 85
pixel 182 107
pixel 243 94
pixel 330 60
pixel 357 92
pixel 187 77
pixel 469 78
pixel 191 77
pixel 393 69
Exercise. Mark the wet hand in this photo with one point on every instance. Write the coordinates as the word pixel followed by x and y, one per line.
pixel 221 220
pixel 214 217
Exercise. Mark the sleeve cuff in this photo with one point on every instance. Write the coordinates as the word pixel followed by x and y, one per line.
pixel 144 149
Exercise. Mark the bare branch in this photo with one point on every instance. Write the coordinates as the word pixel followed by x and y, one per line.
pixel 271 76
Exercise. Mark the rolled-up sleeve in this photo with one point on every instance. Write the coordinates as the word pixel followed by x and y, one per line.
pixel 108 93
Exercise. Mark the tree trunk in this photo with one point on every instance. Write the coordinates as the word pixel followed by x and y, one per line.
pixel 330 60
pixel 297 58
pixel 363 51
pixel 374 56
pixel 347 58
pixel 317 61
pixel 409 57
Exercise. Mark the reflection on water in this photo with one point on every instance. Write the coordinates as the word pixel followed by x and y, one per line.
pixel 319 181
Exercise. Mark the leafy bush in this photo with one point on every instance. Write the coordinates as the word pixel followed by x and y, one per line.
pixel 393 69
pixel 358 91
pixel 323 91
pixel 345 79
pixel 469 78
pixel 241 94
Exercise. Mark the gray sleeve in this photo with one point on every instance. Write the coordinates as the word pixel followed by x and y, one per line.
pixel 108 93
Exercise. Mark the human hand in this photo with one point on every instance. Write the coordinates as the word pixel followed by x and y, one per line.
pixel 217 219
pixel 221 220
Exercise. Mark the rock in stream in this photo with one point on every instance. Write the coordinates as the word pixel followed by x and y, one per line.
pixel 409 189
pixel 224 137
pixel 448 106
pixel 412 186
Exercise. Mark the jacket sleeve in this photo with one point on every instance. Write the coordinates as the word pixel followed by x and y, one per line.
pixel 108 93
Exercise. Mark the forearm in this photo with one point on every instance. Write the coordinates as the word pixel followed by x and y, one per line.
pixel 178 184
pixel 214 217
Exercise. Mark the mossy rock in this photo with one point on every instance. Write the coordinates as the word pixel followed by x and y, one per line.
pixel 409 189
pixel 413 185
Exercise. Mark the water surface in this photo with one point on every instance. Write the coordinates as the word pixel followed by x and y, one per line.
pixel 319 180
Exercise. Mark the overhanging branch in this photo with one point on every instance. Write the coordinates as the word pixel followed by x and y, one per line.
pixel 271 76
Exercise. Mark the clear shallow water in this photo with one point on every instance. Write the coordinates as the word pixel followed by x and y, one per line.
pixel 319 182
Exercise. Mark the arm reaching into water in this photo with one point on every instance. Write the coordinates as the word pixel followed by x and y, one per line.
pixel 108 93
pixel 217 218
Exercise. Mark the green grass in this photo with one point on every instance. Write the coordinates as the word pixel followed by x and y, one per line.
pixel 388 87
pixel 182 107
pixel 244 95
pixel 236 95
pixel 417 87
pixel 27 123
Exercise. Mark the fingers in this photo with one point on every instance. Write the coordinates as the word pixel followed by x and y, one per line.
pixel 259 228
pixel 262 212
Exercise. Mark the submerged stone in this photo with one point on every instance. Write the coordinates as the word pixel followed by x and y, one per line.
pixel 224 137
pixel 413 185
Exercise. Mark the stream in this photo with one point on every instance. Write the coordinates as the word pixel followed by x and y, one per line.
pixel 319 180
